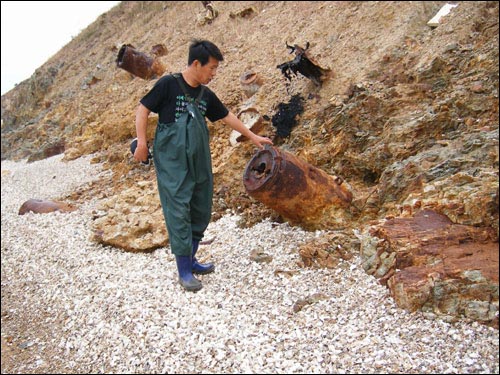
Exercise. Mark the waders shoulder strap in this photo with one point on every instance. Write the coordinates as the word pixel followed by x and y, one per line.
pixel 184 88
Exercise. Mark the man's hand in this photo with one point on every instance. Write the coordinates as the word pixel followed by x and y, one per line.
pixel 259 141
pixel 141 152
pixel 235 123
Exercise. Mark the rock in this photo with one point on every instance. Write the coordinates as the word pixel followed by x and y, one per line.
pixel 47 151
pixel 309 300
pixel 260 256
pixel 442 12
pixel 431 264
pixel 132 220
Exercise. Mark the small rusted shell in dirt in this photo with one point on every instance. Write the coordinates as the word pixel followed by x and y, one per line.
pixel 250 82
pixel 39 206
pixel 159 50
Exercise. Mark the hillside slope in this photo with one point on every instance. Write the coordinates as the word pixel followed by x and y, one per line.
pixel 398 86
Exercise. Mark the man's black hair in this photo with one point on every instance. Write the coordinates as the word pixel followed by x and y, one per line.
pixel 201 50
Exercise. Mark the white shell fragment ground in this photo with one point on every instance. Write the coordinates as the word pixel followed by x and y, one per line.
pixel 71 305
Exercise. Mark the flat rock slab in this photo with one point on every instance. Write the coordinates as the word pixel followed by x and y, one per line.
pixel 430 263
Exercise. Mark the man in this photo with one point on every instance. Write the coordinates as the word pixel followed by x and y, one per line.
pixel 182 154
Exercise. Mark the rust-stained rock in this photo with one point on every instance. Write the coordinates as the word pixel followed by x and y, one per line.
pixel 138 63
pixel 39 206
pixel 431 264
pixel 295 189
pixel 327 251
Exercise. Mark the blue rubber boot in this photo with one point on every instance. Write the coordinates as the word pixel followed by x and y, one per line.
pixel 199 268
pixel 186 278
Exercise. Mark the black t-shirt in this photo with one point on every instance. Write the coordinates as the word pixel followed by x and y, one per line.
pixel 168 100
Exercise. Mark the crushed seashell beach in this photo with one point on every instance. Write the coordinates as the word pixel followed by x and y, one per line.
pixel 70 305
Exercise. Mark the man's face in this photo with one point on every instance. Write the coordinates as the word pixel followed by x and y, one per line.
pixel 208 71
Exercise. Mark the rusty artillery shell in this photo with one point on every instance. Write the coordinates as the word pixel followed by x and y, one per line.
pixel 138 63
pixel 295 189
pixel 250 82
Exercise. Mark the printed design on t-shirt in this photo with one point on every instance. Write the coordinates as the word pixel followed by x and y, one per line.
pixel 181 102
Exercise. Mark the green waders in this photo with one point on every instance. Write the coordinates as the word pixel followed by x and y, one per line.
pixel 184 175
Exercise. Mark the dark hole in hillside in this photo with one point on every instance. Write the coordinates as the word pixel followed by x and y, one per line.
pixel 370 177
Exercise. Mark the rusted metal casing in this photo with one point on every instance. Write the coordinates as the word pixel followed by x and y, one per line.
pixel 295 189
pixel 250 82
pixel 138 63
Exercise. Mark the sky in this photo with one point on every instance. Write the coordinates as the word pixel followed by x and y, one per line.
pixel 34 31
